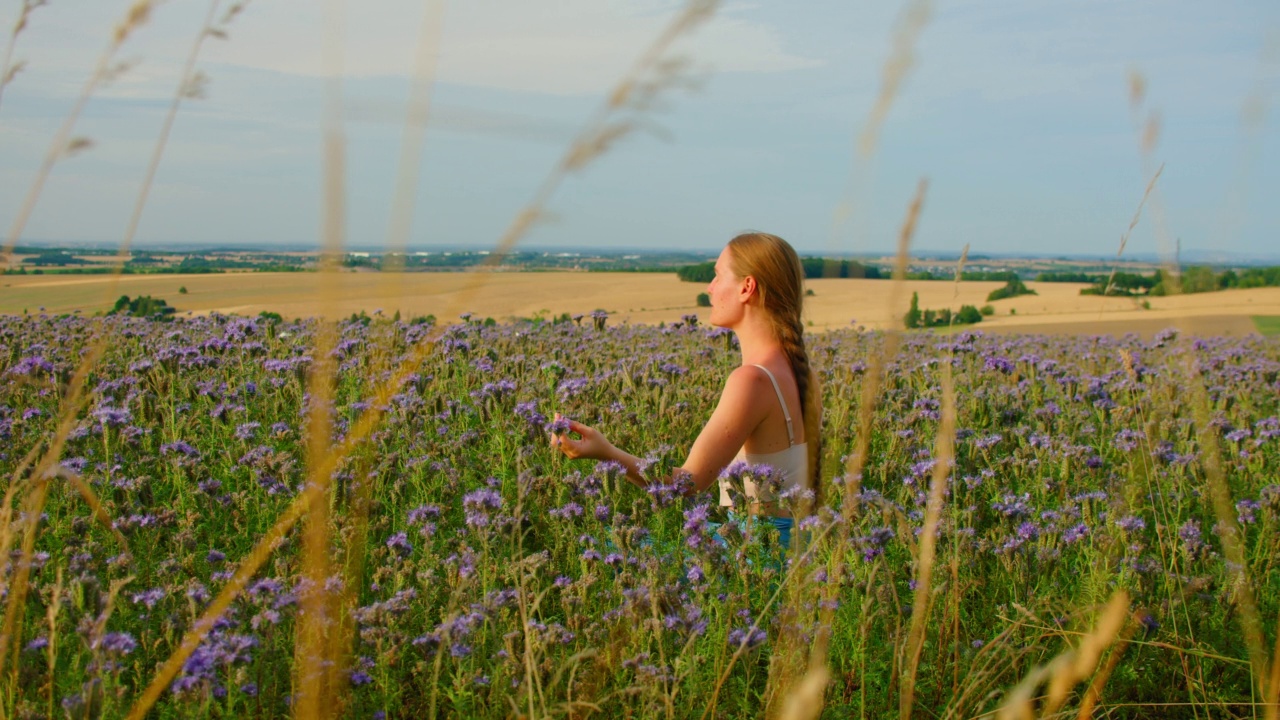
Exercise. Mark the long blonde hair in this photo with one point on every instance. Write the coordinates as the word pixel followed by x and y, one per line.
pixel 779 279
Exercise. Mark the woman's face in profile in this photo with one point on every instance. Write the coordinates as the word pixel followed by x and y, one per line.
pixel 725 289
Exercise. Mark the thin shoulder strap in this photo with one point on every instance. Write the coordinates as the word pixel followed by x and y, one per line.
pixel 791 436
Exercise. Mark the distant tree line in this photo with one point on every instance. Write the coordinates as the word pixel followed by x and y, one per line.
pixel 54 258
pixel 814 267
pixel 1069 277
pixel 1194 279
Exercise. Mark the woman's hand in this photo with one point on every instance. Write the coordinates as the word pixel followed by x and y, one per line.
pixel 591 445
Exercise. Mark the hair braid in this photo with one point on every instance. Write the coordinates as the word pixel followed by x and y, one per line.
pixel 791 336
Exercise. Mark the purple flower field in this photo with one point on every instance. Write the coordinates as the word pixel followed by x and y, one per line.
pixel 477 573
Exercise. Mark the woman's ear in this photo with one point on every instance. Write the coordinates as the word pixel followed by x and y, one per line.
pixel 748 288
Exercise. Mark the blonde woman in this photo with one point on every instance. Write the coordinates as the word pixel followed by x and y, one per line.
pixel 769 412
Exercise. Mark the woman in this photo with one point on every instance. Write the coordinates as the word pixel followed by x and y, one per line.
pixel 770 409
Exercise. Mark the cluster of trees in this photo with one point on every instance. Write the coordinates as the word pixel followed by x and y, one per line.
pixel 917 318
pixel 814 267
pixel 144 306
pixel 1123 283
pixel 1012 288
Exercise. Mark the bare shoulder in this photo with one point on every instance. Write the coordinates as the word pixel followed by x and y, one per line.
pixel 745 378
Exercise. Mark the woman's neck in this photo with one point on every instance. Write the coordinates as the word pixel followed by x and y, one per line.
pixel 756 341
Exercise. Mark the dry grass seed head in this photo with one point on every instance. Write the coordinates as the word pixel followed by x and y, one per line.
pixel 137 16
pixel 901 59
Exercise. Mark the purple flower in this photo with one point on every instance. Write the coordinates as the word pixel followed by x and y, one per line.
pixel 423 514
pixel 528 411
pixel 149 597
pixel 1131 523
pixel 748 637
pixel 32 366
pixel 1246 511
pixel 559 426
pixel 118 643
pixel 399 544
pixel 479 504
pixel 568 510
pixel 1075 533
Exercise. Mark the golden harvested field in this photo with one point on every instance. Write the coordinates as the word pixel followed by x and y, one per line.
pixel 629 297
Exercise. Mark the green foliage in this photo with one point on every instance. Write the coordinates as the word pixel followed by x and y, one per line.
pixel 988 275
pixel 700 273
pixel 455 599
pixel 987 310
pixel 55 258
pixel 1013 288
pixel 182 290
pixel 143 306
pixel 913 317
pixel 815 267
pixel 1071 277
pixel 704 300
pixel 968 315
pixel 917 318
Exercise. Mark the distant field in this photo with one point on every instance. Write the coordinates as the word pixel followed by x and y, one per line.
pixel 1267 324
pixel 635 298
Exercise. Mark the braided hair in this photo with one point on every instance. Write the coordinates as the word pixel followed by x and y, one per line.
pixel 780 281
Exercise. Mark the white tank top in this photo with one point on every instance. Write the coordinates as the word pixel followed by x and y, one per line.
pixel 792 463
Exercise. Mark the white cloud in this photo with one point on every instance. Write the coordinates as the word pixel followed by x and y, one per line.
pixel 560 47
pixel 563 47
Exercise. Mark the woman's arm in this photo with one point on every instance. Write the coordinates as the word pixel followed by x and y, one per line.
pixel 593 445
pixel 737 414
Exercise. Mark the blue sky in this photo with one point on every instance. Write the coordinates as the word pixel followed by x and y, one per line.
pixel 1017 111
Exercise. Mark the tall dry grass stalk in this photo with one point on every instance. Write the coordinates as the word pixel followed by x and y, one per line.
pixel 893 75
pixel 901 59
pixel 1262 664
pixel 9 69
pixel 645 81
pixel 63 143
pixel 1069 668
pixel 413 140
pixel 31 489
pixel 46 468
pixel 652 74
pixel 318 680
pixel 857 459
pixel 943 456
pixel 190 86
pixel 1124 239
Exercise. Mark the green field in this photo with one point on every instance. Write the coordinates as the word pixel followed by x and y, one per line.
pixel 1267 324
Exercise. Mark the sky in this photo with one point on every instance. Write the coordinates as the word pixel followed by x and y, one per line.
pixel 1018 112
